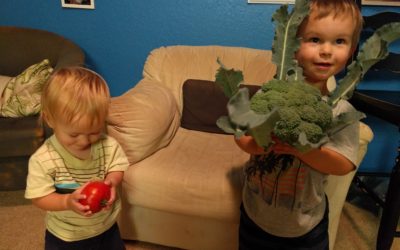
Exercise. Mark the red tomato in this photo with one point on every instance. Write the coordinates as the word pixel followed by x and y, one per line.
pixel 97 194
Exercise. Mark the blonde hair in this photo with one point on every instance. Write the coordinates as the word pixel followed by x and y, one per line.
pixel 323 8
pixel 75 92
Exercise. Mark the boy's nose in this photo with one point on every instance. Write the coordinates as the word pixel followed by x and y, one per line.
pixel 326 49
pixel 84 140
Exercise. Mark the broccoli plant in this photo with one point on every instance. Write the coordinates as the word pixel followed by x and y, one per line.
pixel 286 106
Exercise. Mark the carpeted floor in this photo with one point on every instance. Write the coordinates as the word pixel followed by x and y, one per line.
pixel 22 227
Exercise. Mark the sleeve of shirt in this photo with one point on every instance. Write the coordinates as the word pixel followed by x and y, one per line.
pixel 118 159
pixel 39 182
pixel 345 141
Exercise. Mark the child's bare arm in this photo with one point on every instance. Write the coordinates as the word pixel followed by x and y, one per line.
pixel 60 202
pixel 249 145
pixel 327 161
pixel 322 159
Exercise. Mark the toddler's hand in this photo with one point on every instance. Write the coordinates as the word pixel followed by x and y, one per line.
pixel 72 202
pixel 280 147
pixel 113 194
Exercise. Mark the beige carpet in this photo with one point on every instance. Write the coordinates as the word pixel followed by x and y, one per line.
pixel 22 227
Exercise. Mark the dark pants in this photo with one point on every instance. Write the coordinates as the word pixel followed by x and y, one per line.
pixel 109 240
pixel 252 237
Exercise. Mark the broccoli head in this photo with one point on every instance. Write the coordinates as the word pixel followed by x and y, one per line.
pixel 300 107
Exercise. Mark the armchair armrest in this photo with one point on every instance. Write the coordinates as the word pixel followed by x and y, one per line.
pixel 144 119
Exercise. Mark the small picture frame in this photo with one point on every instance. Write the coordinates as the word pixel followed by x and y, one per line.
pixel 80 4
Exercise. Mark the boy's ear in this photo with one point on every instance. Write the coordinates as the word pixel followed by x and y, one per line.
pixel 353 49
pixel 47 120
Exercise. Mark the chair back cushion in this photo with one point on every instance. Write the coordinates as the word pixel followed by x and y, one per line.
pixel 172 66
pixel 204 103
pixel 21 47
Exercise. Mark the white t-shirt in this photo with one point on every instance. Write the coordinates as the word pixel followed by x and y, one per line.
pixel 292 202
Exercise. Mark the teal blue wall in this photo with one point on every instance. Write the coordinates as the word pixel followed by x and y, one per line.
pixel 118 35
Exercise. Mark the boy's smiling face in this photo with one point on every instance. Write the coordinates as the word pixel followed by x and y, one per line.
pixel 325 47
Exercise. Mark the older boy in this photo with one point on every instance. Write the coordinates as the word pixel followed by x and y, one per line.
pixel 287 208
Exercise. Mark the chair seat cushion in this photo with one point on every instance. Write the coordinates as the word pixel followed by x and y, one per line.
pixel 198 174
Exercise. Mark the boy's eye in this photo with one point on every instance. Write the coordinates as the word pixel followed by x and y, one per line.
pixel 314 39
pixel 340 41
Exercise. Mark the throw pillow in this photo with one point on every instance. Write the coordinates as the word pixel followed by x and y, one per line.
pixel 21 97
pixel 143 120
pixel 203 103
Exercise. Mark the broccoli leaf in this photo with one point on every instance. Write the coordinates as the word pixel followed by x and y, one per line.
pixel 228 80
pixel 374 49
pixel 343 120
pixel 286 42
pixel 226 125
pixel 240 113
pixel 262 132
pixel 242 119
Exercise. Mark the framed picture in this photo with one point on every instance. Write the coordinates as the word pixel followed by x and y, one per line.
pixel 382 2
pixel 80 4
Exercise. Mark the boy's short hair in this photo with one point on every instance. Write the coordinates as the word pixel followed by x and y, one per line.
pixel 323 8
pixel 75 92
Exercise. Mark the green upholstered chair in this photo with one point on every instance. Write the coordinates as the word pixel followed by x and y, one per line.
pixel 20 137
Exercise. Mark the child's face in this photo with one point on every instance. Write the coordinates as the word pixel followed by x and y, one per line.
pixel 325 47
pixel 78 136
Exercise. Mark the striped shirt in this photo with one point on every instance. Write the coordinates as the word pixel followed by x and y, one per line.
pixel 53 169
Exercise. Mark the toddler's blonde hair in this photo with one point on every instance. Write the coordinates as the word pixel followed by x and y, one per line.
pixel 75 92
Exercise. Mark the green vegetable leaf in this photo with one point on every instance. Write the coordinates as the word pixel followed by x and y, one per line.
pixel 373 50
pixel 242 119
pixel 240 113
pixel 228 80
pixel 262 133
pixel 285 41
pixel 343 120
pixel 226 125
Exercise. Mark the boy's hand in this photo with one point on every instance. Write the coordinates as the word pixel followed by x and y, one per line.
pixel 72 202
pixel 113 194
pixel 113 179
pixel 280 147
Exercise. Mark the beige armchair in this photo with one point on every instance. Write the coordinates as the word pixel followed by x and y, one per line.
pixel 183 186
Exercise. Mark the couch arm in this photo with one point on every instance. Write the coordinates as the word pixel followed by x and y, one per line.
pixel 143 120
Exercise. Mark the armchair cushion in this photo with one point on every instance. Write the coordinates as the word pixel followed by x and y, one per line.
pixel 203 103
pixel 143 120
pixel 21 97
